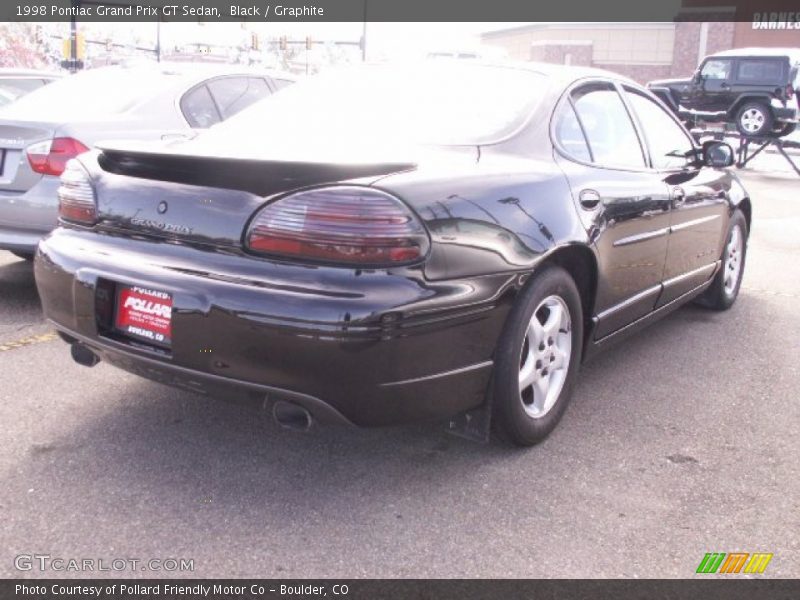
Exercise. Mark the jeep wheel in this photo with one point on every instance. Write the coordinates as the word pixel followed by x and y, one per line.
pixel 754 119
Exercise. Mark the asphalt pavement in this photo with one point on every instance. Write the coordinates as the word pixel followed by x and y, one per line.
pixel 680 442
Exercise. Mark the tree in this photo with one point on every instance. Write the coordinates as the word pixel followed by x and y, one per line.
pixel 26 45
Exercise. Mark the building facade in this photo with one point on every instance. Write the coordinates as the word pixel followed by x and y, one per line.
pixel 641 51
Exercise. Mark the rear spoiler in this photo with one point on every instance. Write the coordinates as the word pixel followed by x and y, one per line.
pixel 260 177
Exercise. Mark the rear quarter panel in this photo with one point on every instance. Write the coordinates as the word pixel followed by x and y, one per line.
pixel 500 215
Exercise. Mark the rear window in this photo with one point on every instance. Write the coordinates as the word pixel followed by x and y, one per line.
pixel 436 103
pixel 21 86
pixel 92 93
pixel 759 70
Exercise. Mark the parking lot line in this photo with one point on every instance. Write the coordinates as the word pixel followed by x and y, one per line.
pixel 28 341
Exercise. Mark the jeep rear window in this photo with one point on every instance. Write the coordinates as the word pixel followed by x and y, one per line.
pixel 759 70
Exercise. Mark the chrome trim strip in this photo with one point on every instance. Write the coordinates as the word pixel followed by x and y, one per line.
pixel 641 237
pixel 689 274
pixel 629 301
pixel 482 365
pixel 693 222
pixel 652 315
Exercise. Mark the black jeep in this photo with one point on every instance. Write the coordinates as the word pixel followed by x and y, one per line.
pixel 758 89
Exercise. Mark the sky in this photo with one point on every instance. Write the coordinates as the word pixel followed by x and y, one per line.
pixel 384 40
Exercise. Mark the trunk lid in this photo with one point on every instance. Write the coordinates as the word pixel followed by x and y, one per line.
pixel 16 174
pixel 203 199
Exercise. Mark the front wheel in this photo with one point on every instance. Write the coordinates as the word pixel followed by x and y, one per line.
pixel 725 288
pixel 537 357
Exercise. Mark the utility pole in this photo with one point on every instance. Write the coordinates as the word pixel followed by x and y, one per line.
pixel 158 39
pixel 364 35
pixel 73 36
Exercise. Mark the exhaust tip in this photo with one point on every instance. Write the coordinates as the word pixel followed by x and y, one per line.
pixel 291 416
pixel 83 356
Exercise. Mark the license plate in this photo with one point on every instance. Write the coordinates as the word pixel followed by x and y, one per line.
pixel 144 314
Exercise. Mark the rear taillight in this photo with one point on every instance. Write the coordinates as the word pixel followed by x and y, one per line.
pixel 343 225
pixel 76 200
pixel 50 156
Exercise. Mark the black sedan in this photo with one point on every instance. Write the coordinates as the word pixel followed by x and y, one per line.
pixel 388 244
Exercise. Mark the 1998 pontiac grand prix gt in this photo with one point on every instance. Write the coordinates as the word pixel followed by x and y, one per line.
pixel 389 244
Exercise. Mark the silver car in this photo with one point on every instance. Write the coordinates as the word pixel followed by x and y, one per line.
pixel 15 83
pixel 41 131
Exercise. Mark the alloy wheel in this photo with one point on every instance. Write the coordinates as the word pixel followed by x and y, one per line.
pixel 752 120
pixel 733 260
pixel 545 359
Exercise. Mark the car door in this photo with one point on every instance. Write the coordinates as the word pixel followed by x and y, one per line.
pixel 713 93
pixel 699 197
pixel 623 204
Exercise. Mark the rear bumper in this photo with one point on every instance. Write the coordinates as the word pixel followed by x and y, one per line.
pixel 785 115
pixel 370 348
pixel 26 217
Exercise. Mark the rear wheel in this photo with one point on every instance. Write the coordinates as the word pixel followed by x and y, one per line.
pixel 538 356
pixel 725 288
pixel 754 119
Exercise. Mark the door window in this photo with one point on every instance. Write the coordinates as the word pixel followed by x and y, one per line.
pixel 670 147
pixel 199 109
pixel 609 130
pixel 716 69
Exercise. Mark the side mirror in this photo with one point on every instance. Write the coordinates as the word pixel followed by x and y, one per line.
pixel 717 154
pixel 698 77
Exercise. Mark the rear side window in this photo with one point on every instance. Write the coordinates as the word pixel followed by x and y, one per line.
pixel 570 135
pixel 754 71
pixel 199 109
pixel 233 94
pixel 610 133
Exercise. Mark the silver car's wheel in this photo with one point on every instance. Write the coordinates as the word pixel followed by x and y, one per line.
pixel 545 357
pixel 733 260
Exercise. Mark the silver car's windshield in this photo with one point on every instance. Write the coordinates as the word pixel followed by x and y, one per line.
pixel 93 93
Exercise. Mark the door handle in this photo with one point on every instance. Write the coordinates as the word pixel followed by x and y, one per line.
pixel 724 85
pixel 589 199
pixel 678 195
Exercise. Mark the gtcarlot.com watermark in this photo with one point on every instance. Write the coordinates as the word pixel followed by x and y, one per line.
pixel 47 563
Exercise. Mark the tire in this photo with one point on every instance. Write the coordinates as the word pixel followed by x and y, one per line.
pixel 754 119
pixel 724 290
pixel 24 255
pixel 785 129
pixel 529 395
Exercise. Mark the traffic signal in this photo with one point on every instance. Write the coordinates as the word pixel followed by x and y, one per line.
pixel 284 42
pixel 80 47
pixel 254 44
pixel 309 42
